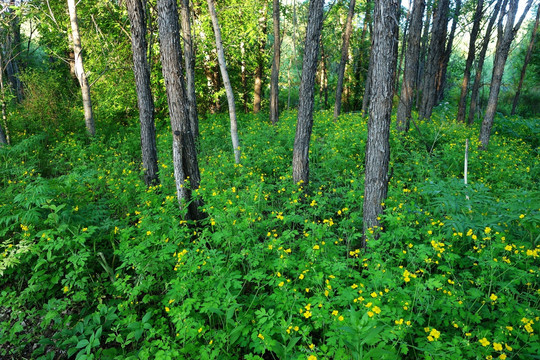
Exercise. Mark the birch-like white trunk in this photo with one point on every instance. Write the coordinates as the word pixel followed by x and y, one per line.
pixel 79 69
pixel 226 81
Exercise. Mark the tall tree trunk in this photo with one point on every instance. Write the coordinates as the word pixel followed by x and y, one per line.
pixel 481 60
pixel 79 69
pixel 423 52
pixel 145 101
pixel 385 30
pixel 189 57
pixel 344 59
pixel 441 84
pixel 367 90
pixel 403 48
pixel 323 90
pixel 411 67
pixel 261 62
pixel 435 58
pixel 504 40
pixel 4 132
pixel 186 168
pixel 300 163
pixel 462 107
pixel 526 62
pixel 274 82
pixel 226 81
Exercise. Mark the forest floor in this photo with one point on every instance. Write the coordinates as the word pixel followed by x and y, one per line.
pixel 103 267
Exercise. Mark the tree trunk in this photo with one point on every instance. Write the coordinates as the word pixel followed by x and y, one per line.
pixel 274 82
pixel 435 59
pixel 189 57
pixel 403 48
pixel 526 62
pixel 344 59
pixel 323 90
pixel 481 59
pixel 470 58
pixel 4 133
pixel 226 81
pixel 411 67
pixel 441 84
pixel 186 168
pixel 367 90
pixel 243 77
pixel 145 101
pixel 423 52
pixel 79 69
pixel 385 30
pixel 304 124
pixel 501 55
pixel 259 70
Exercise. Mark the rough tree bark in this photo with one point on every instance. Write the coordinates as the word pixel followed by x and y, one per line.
pixel 145 101
pixel 226 81
pixel 385 29
pixel 411 67
pixel 189 57
pixel 526 62
pixel 79 69
pixel 367 90
pixel 274 82
pixel 435 59
pixel 403 48
pixel 441 77
pixel 423 51
pixel 504 40
pixel 470 59
pixel 344 59
pixel 186 168
pixel 300 163
pixel 481 59
pixel 259 70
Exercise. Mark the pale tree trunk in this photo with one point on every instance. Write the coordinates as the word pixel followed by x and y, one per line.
pixel 79 69
pixel 304 124
pixel 481 59
pixel 259 70
pixel 186 168
pixel 527 59
pixel 435 58
pixel 323 90
pixel 441 78
pixel 144 93
pixel 274 82
pixel 344 59
pixel 411 67
pixel 189 57
pixel 423 51
pixel 462 107
pixel 385 30
pixel 505 38
pixel 243 77
pixel 4 132
pixel 226 81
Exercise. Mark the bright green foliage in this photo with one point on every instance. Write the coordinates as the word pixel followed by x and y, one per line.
pixel 95 265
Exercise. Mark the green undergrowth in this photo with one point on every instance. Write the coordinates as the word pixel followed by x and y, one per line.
pixel 93 265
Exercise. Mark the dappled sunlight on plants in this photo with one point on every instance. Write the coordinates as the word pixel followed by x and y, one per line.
pixel 94 263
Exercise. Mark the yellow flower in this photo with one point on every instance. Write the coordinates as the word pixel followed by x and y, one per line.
pixel 316 247
pixel 200 329
pixel 484 341
pixel 312 357
pixel 508 248
pixel 374 294
pixel 341 318
pixel 84 229
pixel 66 289
pixel 260 336
pixel 508 347
pixel 376 310
pixel 370 313
pixel 497 347
pixel 335 312
pixel 301 276
pixel 502 356
pixel 307 314
pixel 493 297
pixel 487 230
pixel 148 232
pixel 436 334
pixel 167 309
pixel 529 328
pixel 281 284
pixel 521 216
pixel 311 346
pixel 399 322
